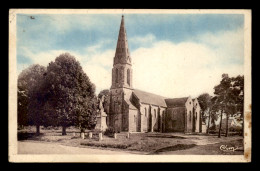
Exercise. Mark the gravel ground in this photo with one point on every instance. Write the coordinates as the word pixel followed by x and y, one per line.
pixel 30 147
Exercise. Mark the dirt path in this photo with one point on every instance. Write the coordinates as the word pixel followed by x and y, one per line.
pixel 31 147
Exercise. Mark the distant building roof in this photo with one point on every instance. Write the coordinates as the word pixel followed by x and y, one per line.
pixel 150 98
pixel 176 102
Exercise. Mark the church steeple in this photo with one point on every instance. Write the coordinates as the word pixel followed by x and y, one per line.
pixel 122 54
pixel 122 68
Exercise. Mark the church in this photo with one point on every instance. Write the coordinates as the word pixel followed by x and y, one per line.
pixel 133 110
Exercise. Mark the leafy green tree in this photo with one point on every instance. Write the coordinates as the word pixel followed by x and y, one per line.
pixel 69 92
pixel 222 93
pixel 205 104
pixel 30 104
pixel 22 108
pixel 230 97
pixel 236 98
pixel 87 114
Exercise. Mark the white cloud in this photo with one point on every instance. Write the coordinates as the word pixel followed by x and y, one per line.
pixel 44 58
pixel 228 44
pixel 188 68
pixel 97 65
pixel 99 76
pixel 165 68
pixel 143 40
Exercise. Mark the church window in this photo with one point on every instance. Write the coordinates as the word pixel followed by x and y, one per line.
pixel 190 115
pixel 128 76
pixel 145 112
pixel 154 113
pixel 117 75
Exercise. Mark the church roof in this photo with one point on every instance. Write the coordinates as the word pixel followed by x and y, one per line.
pixel 176 102
pixel 150 98
pixel 131 106
pixel 122 54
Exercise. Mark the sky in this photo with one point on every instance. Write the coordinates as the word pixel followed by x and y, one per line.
pixel 173 55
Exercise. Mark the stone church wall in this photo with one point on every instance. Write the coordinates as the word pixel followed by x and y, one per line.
pixel 144 109
pixel 197 115
pixel 133 119
pixel 175 119
pixel 189 121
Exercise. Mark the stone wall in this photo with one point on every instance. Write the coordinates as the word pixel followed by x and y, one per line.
pixel 175 119
pixel 133 119
pixel 119 76
pixel 197 115
pixel 189 115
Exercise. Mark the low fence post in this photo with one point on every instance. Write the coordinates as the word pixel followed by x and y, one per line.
pixel 100 136
pixel 90 135
pixel 83 135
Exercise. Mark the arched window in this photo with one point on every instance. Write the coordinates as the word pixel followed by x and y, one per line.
pixel 145 112
pixel 128 76
pixel 154 113
pixel 116 75
pixel 190 115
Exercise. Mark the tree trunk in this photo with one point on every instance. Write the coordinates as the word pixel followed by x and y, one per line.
pixel 64 130
pixel 208 124
pixel 37 130
pixel 227 126
pixel 220 124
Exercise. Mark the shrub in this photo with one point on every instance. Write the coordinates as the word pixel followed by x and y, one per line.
pixel 109 131
pixel 235 129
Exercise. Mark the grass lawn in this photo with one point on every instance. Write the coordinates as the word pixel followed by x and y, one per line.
pixel 146 143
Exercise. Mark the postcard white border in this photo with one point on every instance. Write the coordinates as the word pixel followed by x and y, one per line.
pixel 12 108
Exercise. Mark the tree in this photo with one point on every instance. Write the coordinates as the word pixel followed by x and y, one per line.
pixel 236 98
pixel 230 96
pixel 87 114
pixel 22 108
pixel 222 93
pixel 69 92
pixel 205 104
pixel 30 105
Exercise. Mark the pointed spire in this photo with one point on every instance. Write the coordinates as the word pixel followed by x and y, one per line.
pixel 122 54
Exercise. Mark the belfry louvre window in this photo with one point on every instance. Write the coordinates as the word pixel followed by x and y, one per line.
pixel 117 75
pixel 128 76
